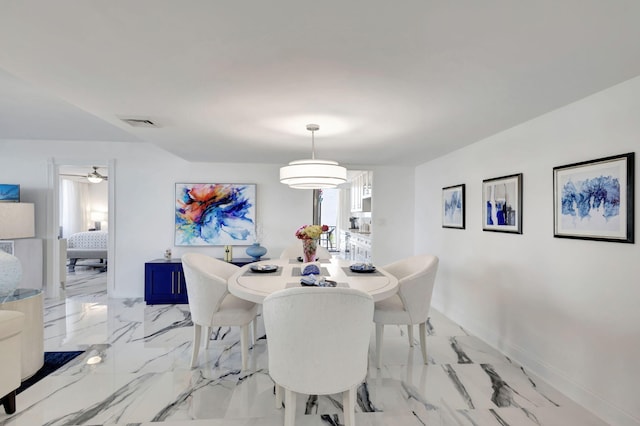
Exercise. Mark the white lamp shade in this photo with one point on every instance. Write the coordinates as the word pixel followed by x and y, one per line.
pixel 17 220
pixel 313 174
pixel 98 216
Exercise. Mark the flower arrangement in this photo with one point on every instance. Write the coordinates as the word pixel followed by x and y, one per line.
pixel 309 235
pixel 310 232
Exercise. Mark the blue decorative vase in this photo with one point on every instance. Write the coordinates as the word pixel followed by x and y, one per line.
pixel 255 250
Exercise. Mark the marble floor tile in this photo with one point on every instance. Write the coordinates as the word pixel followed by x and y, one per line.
pixel 143 375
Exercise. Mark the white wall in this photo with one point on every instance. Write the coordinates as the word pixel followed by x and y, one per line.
pixel 144 220
pixel 566 309
pixel 144 177
pixel 144 180
pixel 392 208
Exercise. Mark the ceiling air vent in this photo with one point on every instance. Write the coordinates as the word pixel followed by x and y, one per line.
pixel 139 122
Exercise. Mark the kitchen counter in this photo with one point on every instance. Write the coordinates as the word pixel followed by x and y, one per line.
pixel 358 244
pixel 357 231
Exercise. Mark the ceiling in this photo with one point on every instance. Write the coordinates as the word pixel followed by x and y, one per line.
pixel 237 81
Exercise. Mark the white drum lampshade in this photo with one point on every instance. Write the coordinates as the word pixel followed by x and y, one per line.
pixel 17 220
pixel 313 173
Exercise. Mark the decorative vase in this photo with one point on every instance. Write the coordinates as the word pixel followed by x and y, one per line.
pixel 256 251
pixel 309 248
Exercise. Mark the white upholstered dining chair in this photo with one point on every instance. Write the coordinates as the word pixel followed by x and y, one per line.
pixel 211 304
pixel 295 250
pixel 318 340
pixel 410 305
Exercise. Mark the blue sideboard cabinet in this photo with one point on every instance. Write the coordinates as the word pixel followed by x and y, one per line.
pixel 164 282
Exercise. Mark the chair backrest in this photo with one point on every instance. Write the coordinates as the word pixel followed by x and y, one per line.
pixel 318 338
pixel 295 250
pixel 206 279
pixel 416 278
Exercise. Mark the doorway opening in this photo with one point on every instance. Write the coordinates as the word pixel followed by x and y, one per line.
pixel 348 212
pixel 330 216
pixel 83 228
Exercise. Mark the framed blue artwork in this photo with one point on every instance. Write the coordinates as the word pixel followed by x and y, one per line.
pixel 453 206
pixel 593 200
pixel 215 214
pixel 502 204
pixel 9 193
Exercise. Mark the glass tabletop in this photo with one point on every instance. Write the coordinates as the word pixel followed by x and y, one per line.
pixel 19 294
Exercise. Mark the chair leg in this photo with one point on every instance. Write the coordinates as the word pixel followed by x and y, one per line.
pixel 379 339
pixel 278 396
pixel 9 402
pixel 289 407
pixel 254 330
pixel 244 345
pixel 207 336
pixel 349 406
pixel 423 341
pixel 410 334
pixel 197 332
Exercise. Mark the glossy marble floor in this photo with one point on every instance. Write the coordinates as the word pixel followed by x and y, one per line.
pixel 143 377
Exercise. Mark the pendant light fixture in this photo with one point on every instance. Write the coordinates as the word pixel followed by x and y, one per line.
pixel 313 173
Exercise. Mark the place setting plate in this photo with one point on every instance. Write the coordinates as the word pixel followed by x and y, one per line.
pixel 313 281
pixel 362 268
pixel 263 269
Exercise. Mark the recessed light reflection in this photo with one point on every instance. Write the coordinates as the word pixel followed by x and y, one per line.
pixel 94 360
pixel 330 125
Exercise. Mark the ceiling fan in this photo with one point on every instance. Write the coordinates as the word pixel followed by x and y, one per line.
pixel 93 177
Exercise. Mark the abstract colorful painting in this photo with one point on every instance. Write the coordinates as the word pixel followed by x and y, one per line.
pixel 215 214
pixel 594 199
pixel 502 204
pixel 453 207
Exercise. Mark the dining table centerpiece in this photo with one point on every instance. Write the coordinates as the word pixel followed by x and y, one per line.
pixel 309 234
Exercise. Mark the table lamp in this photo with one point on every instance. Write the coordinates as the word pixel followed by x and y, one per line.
pixel 17 220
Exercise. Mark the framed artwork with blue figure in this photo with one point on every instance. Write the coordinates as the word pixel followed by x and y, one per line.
pixel 215 214
pixel 453 207
pixel 502 204
pixel 593 200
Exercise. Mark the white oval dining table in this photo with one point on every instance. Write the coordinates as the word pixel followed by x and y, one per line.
pixel 255 286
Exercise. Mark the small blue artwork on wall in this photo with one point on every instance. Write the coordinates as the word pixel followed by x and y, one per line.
pixel 9 193
pixel 594 199
pixel 453 207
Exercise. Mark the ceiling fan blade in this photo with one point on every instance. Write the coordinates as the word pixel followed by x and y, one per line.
pixel 96 174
